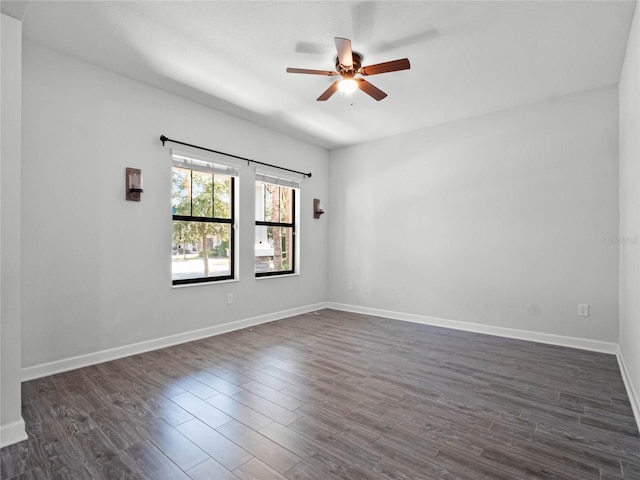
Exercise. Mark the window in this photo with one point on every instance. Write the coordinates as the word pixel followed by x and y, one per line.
pixel 276 241
pixel 203 209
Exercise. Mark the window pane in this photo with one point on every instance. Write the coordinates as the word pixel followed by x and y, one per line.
pixel 222 196
pixel 200 250
pixel 181 191
pixel 274 249
pixel 268 201
pixel 202 194
pixel 285 204
pixel 273 203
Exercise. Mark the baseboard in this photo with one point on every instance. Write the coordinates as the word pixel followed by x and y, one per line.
pixel 631 393
pixel 12 432
pixel 580 343
pixel 64 365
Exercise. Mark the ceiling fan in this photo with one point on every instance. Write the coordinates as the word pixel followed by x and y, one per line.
pixel 348 65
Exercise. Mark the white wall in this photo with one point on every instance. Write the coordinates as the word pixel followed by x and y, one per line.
pixel 629 90
pixel 501 220
pixel 11 424
pixel 96 268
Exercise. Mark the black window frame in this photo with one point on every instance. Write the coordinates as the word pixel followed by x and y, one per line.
pixel 228 221
pixel 292 225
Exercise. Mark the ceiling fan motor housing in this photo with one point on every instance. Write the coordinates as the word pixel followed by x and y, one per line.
pixel 349 71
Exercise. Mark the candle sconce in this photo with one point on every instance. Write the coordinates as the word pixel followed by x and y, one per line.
pixel 134 184
pixel 318 208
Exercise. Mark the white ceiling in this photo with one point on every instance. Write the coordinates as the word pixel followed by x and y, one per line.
pixel 467 58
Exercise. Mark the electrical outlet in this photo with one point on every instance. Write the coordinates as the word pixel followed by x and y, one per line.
pixel 350 286
pixel 229 298
pixel 583 309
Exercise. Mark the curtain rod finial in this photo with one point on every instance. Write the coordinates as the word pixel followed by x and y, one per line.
pixel 163 139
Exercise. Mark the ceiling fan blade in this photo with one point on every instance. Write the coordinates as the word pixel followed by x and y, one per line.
pixel 370 89
pixel 312 72
pixel 392 66
pixel 345 54
pixel 328 92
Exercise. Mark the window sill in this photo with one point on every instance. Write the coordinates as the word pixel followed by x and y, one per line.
pixel 202 284
pixel 268 277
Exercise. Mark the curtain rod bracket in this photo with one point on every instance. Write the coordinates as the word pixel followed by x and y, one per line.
pixel 164 139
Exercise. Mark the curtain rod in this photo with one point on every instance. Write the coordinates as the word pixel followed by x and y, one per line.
pixel 164 139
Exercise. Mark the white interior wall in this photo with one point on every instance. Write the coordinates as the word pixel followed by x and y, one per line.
pixel 96 268
pixel 11 424
pixel 629 91
pixel 507 220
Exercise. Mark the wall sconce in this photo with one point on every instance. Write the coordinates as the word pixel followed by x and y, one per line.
pixel 318 208
pixel 134 184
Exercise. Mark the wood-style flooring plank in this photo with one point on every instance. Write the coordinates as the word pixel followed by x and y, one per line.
pixel 239 411
pixel 219 447
pixel 254 469
pixel 177 447
pixel 271 453
pixel 276 396
pixel 330 460
pixel 153 463
pixel 266 407
pixel 166 409
pixel 101 458
pixel 210 470
pixel 201 410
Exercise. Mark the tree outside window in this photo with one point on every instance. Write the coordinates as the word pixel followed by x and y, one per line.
pixel 202 204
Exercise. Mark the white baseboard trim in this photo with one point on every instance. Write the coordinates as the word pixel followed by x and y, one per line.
pixel 12 432
pixel 580 343
pixel 634 399
pixel 64 365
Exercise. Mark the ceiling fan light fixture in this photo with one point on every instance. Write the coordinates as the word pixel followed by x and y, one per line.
pixel 348 65
pixel 347 86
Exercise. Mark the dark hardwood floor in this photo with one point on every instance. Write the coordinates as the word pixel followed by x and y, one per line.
pixel 333 395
